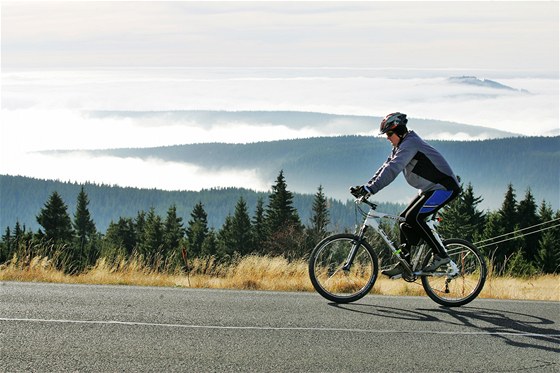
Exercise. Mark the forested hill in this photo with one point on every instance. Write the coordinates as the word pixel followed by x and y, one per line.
pixel 22 199
pixel 335 163
pixel 338 162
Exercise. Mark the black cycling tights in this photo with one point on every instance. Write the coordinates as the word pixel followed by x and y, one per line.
pixel 416 213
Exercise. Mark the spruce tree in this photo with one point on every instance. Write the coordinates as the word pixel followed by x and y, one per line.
pixel 19 234
pixel 283 222
pixel 152 245
pixel 119 239
pixel 197 230
pixel 461 218
pixel 139 226
pixel 56 223
pixel 508 212
pixel 280 211
pixel 210 245
pixel 527 213
pixel 173 231
pixel 320 218
pixel 226 239
pixel 509 220
pixel 241 223
pixel 6 245
pixel 85 231
pixel 548 256
pixel 258 224
pixel 493 228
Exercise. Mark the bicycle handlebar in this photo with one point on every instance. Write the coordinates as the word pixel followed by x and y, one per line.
pixel 364 199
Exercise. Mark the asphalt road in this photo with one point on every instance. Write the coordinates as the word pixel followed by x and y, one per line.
pixel 59 328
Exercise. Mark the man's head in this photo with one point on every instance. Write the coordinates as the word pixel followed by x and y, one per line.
pixel 394 127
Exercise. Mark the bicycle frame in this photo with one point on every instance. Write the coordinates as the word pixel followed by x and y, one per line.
pixel 373 220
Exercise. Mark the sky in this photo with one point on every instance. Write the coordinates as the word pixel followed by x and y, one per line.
pixel 62 61
pixel 499 35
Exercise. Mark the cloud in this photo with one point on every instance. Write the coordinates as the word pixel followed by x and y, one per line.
pixel 367 34
pixel 142 173
pixel 53 110
pixel 36 106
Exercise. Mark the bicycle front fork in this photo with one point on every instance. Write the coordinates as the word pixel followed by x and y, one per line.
pixel 354 250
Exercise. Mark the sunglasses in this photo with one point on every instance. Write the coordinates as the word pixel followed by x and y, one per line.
pixel 389 133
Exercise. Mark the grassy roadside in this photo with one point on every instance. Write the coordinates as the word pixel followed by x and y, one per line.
pixel 258 273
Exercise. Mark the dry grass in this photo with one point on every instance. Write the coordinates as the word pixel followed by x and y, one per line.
pixel 255 273
pixel 546 287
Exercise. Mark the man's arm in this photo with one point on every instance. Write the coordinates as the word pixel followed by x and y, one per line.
pixel 391 168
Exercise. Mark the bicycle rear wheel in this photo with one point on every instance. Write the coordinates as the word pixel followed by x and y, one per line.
pixel 342 269
pixel 458 290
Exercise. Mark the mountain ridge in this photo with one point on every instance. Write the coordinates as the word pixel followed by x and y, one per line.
pixel 326 124
pixel 339 162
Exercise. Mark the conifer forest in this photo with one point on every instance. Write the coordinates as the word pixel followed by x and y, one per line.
pixel 521 238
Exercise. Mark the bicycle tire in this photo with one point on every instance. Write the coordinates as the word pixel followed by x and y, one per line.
pixel 336 283
pixel 467 285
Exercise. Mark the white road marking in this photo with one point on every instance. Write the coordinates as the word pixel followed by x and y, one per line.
pixel 273 328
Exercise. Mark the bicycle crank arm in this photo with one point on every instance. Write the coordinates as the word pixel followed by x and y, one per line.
pixel 449 273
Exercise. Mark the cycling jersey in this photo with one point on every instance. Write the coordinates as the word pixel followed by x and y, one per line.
pixel 422 165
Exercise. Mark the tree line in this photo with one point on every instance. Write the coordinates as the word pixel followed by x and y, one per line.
pixel 167 243
pixel 163 243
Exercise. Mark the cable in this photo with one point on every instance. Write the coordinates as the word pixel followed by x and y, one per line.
pixel 514 238
pixel 520 230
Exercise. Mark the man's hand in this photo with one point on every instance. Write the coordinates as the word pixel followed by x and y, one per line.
pixel 359 191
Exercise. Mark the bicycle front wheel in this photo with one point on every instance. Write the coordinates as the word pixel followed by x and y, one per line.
pixel 342 269
pixel 461 288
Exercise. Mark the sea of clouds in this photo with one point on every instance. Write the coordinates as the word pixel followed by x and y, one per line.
pixel 47 110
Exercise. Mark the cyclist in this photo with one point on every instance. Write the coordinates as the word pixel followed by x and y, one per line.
pixel 423 168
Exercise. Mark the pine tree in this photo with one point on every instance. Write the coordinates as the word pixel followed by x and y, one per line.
pixel 493 228
pixel 283 223
pixel 197 230
pixel 173 231
pixel 527 213
pixel 548 256
pixel 518 265
pixel 119 239
pixel 210 245
pixel 241 225
pixel 508 212
pixel 84 252
pixel 280 211
pixel 152 245
pixel 226 239
pixel 258 224
pixel 320 218
pixel 55 221
pixel 461 218
pixel 508 220
pixel 19 234
pixel 139 227
pixel 320 210
pixel 6 246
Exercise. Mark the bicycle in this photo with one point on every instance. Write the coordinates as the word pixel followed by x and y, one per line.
pixel 343 267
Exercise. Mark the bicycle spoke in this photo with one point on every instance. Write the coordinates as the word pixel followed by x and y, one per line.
pixel 466 284
pixel 342 270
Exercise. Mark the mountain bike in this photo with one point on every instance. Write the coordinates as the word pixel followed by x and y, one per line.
pixel 343 267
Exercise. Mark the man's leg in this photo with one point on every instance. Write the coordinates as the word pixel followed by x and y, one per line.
pixel 408 237
pixel 433 203
pixel 426 206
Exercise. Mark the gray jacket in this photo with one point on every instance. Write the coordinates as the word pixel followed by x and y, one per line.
pixel 422 165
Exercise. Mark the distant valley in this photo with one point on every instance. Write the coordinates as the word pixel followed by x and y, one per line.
pixel 319 123
pixel 339 162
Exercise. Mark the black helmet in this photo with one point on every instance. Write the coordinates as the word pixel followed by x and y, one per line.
pixel 392 121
